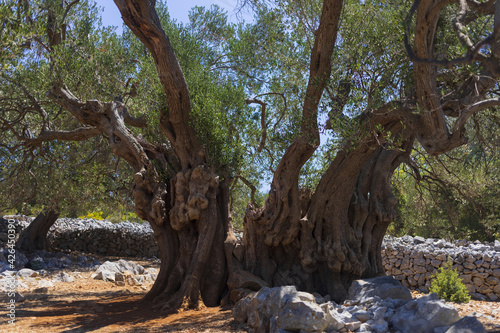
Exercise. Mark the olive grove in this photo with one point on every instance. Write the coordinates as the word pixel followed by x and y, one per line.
pixel 219 103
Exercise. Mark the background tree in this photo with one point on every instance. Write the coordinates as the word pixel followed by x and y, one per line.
pixel 44 175
pixel 453 196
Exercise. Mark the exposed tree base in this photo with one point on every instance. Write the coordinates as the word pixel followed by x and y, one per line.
pixel 193 271
pixel 337 235
pixel 34 237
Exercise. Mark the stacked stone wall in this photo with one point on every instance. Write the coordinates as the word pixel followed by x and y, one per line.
pixel 102 237
pixel 124 239
pixel 414 261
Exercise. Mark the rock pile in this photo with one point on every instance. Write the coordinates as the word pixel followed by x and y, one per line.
pixel 121 272
pixel 42 260
pixel 413 261
pixel 375 305
pixel 124 272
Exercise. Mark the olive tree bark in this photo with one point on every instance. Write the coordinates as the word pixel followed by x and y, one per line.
pixel 186 207
pixel 34 237
pixel 174 189
pixel 339 232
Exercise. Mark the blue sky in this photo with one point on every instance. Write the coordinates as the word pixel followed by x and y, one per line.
pixel 178 10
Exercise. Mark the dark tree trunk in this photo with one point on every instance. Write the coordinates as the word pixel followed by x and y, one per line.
pixel 189 214
pixel 339 234
pixel 34 237
pixel 187 208
pixel 191 237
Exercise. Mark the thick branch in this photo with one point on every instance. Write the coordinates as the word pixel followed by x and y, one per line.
pixel 109 119
pixel 139 122
pixel 141 18
pixel 433 15
pixel 320 67
pixel 80 134
pixel 283 204
pixel 467 113
pixel 249 185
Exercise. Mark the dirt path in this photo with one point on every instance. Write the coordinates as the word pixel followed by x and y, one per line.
pixel 89 305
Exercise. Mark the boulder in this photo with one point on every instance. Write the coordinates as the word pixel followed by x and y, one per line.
pixel 334 320
pixel 423 315
pixel 380 326
pixel 63 277
pixel 240 309
pixel 353 326
pixel 382 286
pixel 108 270
pixel 256 320
pixel 299 315
pixel 418 240
pixel 363 315
pixel 468 324
pixel 105 275
pixel 280 309
pixel 37 263
pixel 26 273
pixel 278 297
pixel 21 260
pixel 132 267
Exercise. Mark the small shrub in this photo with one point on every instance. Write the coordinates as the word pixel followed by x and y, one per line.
pixel 449 286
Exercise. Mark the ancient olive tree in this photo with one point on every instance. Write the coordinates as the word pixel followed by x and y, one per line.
pixel 420 88
pixel 323 241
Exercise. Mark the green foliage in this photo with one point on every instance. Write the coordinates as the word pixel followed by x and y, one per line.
pixel 90 59
pixel 449 286
pixel 454 196
pixel 15 34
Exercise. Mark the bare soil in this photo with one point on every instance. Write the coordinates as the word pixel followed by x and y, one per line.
pixel 88 305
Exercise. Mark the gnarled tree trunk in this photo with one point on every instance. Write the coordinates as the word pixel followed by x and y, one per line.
pixel 339 234
pixel 34 237
pixel 191 238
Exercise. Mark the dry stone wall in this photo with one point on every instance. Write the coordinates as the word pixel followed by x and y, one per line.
pixel 125 239
pixel 413 261
pixel 104 237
